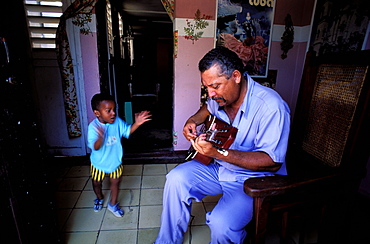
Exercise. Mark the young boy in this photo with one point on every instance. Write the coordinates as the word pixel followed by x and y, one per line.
pixel 104 139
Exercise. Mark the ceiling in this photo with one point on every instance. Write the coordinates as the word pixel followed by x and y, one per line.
pixel 146 16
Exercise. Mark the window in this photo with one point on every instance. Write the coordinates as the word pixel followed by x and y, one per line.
pixel 43 20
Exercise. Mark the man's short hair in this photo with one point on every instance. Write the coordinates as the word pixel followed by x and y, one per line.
pixel 98 98
pixel 227 60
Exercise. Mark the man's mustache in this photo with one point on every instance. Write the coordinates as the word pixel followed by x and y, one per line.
pixel 218 98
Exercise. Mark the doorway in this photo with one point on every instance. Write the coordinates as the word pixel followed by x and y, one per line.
pixel 150 89
pixel 136 67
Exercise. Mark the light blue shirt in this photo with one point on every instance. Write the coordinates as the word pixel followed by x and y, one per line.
pixel 263 123
pixel 109 156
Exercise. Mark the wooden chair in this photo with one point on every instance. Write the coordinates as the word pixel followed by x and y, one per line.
pixel 329 141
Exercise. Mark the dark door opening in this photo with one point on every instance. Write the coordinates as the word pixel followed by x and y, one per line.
pixel 136 67
pixel 150 89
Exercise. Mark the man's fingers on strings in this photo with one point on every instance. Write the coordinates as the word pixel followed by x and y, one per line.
pixel 213 127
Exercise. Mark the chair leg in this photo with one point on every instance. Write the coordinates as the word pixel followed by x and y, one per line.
pixel 261 207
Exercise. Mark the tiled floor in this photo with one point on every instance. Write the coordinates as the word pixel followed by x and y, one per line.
pixel 140 197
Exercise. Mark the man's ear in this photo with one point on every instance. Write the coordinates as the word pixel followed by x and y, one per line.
pixel 237 76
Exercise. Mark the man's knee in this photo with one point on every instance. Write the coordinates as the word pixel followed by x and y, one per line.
pixel 224 233
pixel 177 175
pixel 225 229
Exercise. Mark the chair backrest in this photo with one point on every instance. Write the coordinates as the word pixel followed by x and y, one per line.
pixel 331 119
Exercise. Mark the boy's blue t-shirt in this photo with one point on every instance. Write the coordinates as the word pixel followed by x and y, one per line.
pixel 109 156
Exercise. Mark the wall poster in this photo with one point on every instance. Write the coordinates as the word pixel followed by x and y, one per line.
pixel 245 27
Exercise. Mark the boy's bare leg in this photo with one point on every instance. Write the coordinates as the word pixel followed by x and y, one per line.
pixel 97 186
pixel 114 187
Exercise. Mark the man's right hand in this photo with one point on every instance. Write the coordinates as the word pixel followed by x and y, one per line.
pixel 190 130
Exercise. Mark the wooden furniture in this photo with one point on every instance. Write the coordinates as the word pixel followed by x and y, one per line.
pixel 329 141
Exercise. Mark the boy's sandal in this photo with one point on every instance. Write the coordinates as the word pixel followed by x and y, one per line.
pixel 98 204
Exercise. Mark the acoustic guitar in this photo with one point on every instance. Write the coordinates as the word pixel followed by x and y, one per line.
pixel 221 138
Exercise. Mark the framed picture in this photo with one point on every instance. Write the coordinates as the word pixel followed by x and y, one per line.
pixel 340 26
pixel 245 27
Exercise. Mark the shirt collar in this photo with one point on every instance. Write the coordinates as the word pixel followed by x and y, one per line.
pixel 250 88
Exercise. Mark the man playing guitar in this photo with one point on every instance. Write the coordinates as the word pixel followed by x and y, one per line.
pixel 263 122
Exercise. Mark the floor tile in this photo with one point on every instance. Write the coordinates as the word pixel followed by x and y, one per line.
pixel 80 237
pixel 129 197
pixel 170 167
pixel 150 216
pixel 78 171
pixel 212 198
pixel 151 197
pixel 117 237
pixel 62 216
pixel 86 199
pixel 128 221
pixel 198 234
pixel 198 214
pixel 130 182
pixel 153 182
pixel 61 172
pixel 272 237
pixel 136 169
pixel 66 199
pixel 209 206
pixel 147 236
pixel 73 184
pixel 84 220
pixel 155 169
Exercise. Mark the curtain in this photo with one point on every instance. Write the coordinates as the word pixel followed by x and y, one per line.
pixel 169 5
pixel 77 8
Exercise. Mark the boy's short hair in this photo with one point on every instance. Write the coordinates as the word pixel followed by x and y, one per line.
pixel 98 98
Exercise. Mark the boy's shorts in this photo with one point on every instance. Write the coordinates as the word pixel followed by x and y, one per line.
pixel 99 175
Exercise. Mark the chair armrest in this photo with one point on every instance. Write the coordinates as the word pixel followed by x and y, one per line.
pixel 281 184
